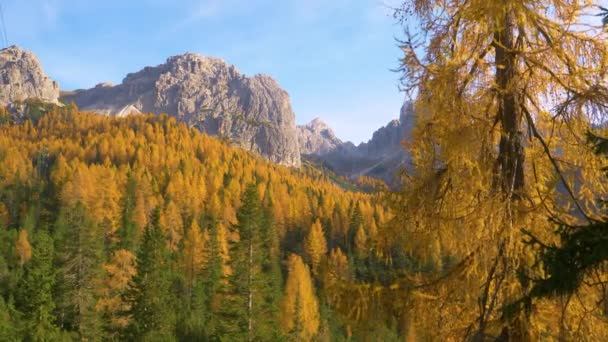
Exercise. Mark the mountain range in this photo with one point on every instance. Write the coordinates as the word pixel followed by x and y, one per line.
pixel 211 95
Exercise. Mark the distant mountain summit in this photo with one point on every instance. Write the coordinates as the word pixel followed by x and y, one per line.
pixel 381 157
pixel 317 138
pixel 209 94
pixel 22 78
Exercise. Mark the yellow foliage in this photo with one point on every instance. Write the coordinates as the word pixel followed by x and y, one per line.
pixel 194 255
pixel 299 308
pixel 315 246
pixel 118 272
pixel 23 247
pixel 172 224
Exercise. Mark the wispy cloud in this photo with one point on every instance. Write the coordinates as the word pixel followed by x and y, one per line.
pixel 50 11
pixel 205 10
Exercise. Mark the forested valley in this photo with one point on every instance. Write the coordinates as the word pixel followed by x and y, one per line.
pixel 142 228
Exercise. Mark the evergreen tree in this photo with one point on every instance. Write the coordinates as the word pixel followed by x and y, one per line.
pixel 128 232
pixel 270 292
pixel 252 285
pixel 214 282
pixel 34 292
pixel 9 323
pixel 79 259
pixel 149 292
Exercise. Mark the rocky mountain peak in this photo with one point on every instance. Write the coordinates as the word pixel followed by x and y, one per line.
pixel 318 125
pixel 381 157
pixel 317 138
pixel 22 77
pixel 209 94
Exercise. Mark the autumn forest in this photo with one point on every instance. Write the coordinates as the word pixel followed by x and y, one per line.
pixel 143 228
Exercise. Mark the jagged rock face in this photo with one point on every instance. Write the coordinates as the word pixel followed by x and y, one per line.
pixel 381 157
pixel 316 138
pixel 388 139
pixel 206 93
pixel 22 78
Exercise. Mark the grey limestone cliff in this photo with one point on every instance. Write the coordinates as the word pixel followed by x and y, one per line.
pixel 22 78
pixel 207 93
pixel 316 138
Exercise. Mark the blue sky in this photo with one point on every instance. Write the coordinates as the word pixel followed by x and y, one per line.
pixel 334 57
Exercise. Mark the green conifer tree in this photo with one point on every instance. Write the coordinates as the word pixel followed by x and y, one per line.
pixel 252 305
pixel 34 292
pixel 79 258
pixel 149 294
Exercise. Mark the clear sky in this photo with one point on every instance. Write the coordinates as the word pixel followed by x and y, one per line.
pixel 334 57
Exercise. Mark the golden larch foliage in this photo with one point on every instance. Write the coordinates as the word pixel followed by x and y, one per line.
pixel 194 254
pixel 224 246
pixel 315 246
pixel 140 215
pixel 23 247
pixel 172 224
pixel 118 272
pixel 361 243
pixel 337 266
pixel 299 308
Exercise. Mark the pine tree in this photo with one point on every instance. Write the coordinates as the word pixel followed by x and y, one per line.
pixel 129 232
pixel 34 292
pixel 250 305
pixel 79 257
pixel 149 293
pixel 271 281
pixel 9 323
pixel 214 284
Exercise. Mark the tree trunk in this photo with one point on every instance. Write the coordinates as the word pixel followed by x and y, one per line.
pixel 511 154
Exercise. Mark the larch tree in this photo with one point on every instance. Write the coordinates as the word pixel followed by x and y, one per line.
pixel 23 247
pixel 118 272
pixel 194 254
pixel 299 308
pixel 172 223
pixel 315 246
pixel 361 245
pixel 505 93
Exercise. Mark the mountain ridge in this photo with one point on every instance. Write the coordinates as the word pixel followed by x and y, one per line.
pixel 211 95
pixel 382 156
pixel 207 93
